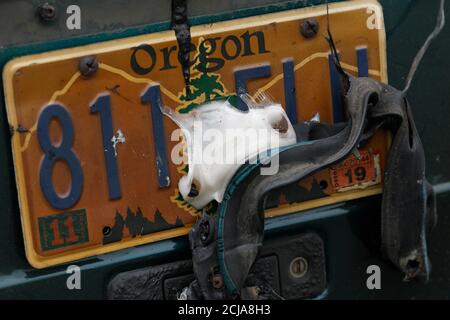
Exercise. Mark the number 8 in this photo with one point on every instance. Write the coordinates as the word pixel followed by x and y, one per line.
pixel 61 152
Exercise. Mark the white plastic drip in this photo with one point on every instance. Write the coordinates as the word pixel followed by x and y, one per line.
pixel 220 138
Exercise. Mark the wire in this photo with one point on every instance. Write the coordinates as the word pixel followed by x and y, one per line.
pixel 272 291
pixel 331 43
pixel 276 294
pixel 440 22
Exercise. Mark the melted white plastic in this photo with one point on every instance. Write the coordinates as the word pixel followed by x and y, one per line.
pixel 216 119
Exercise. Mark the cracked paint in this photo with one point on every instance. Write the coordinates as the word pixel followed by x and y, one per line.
pixel 117 138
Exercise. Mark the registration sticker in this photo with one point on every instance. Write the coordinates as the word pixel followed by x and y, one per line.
pixel 356 172
pixel 63 229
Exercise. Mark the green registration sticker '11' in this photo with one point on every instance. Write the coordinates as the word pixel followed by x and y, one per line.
pixel 63 229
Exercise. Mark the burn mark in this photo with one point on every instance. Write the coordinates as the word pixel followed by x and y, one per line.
pixel 180 25
pixel 138 225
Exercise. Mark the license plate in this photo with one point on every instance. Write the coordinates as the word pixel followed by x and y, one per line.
pixel 92 152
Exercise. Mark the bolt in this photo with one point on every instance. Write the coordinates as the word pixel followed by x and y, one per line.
pixel 88 66
pixel 217 281
pixel 47 12
pixel 107 231
pixel 298 267
pixel 194 191
pixel 323 184
pixel 22 129
pixel 204 231
pixel 309 28
pixel 413 267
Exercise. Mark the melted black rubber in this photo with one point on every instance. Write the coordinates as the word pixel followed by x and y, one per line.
pixel 236 230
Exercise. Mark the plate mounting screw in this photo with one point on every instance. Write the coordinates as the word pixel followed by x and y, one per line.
pixel 309 28
pixel 47 12
pixel 88 66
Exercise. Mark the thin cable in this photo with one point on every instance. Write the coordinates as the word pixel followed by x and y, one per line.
pixel 276 294
pixel 272 291
pixel 334 52
pixel 440 22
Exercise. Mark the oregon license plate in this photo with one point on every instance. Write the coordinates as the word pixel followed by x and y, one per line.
pixel 92 149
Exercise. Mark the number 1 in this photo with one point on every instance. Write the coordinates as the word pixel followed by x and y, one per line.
pixel 152 96
pixel 103 106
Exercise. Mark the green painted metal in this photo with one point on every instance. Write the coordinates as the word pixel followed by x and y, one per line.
pixel 350 230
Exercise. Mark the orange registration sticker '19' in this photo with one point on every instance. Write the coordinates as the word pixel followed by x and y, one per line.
pixel 356 172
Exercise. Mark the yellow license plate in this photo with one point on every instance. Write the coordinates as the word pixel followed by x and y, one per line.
pixel 92 153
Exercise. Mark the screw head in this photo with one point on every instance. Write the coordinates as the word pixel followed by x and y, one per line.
pixel 298 267
pixel 47 12
pixel 88 66
pixel 309 28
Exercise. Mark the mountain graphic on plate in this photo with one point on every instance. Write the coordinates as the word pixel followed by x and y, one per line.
pixel 137 225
